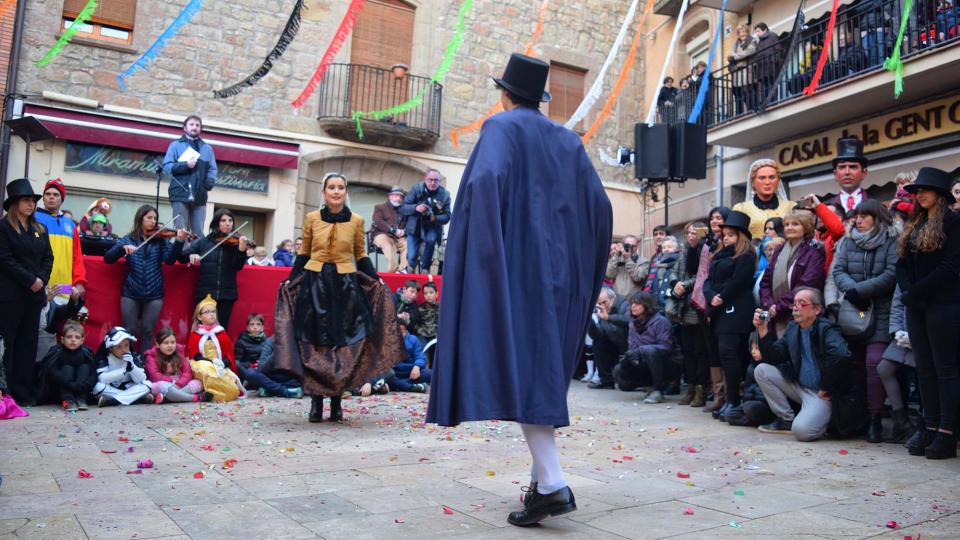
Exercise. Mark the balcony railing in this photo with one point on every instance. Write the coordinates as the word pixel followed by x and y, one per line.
pixel 346 88
pixel 864 36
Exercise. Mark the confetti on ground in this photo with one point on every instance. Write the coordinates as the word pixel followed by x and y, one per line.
pixel 207 447
pixel 108 451
pixel 879 493
pixel 491 473
pixel 82 473
pixel 131 450
pixel 135 471
pixel 145 464
pixel 688 511
pixel 738 493
pixel 447 510
pixel 683 475
pixel 198 475
pixel 843 452
pixel 893 525
pixel 123 439
pixel 228 464
pixel 398 520
pixel 736 525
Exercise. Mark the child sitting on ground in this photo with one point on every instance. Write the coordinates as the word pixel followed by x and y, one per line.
pixel 411 374
pixel 249 345
pixel 170 376
pixel 268 382
pixel 68 371
pixel 210 349
pixel 407 310
pixel 120 375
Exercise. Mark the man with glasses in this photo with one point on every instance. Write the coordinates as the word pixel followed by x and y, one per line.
pixel 427 207
pixel 626 268
pixel 809 365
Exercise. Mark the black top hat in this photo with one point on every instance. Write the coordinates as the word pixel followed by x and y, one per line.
pixel 933 179
pixel 850 149
pixel 18 189
pixel 525 77
pixel 739 221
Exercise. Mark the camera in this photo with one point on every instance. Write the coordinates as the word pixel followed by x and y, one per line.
pixel 393 230
pixel 764 315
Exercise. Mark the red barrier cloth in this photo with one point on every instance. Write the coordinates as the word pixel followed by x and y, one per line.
pixel 257 286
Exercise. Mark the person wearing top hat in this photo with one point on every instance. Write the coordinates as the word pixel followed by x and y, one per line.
pixel 728 291
pixel 26 261
pixel 929 250
pixel 511 333
pixel 388 233
pixel 850 170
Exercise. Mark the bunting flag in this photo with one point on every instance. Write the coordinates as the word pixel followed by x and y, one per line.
pixel 67 35
pixel 597 88
pixel 652 111
pixel 186 14
pixel 795 35
pixel 893 63
pixel 824 52
pixel 286 37
pixel 705 83
pixel 624 73
pixel 339 38
pixel 451 51
pixel 527 50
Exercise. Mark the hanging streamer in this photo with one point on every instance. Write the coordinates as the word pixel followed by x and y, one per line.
pixel 339 38
pixel 824 52
pixel 652 111
pixel 183 18
pixel 65 38
pixel 624 73
pixel 795 35
pixel 705 83
pixel 286 37
pixel 893 63
pixel 527 50
pixel 451 51
pixel 596 89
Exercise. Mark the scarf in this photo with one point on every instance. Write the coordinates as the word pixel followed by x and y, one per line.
pixel 781 270
pixel 640 323
pixel 872 239
pixel 209 334
pixel 772 204
pixel 343 216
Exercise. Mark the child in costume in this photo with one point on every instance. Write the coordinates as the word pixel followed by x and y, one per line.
pixel 211 354
pixel 99 207
pixel 120 375
pixel 170 376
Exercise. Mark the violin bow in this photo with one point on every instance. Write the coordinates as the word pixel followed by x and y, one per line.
pixel 225 238
pixel 149 238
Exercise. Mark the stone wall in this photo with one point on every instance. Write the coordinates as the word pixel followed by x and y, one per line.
pixel 228 40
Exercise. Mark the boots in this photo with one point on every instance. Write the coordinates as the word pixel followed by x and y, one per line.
pixel 719 391
pixel 920 441
pixel 316 409
pixel 902 428
pixel 336 413
pixel 688 397
pixel 699 396
pixel 875 429
pixel 944 446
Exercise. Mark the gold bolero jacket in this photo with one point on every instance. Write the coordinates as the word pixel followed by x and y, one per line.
pixel 759 217
pixel 348 243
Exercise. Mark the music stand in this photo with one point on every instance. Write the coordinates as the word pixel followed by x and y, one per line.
pixel 30 130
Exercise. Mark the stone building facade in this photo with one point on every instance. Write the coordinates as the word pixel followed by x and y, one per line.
pixel 226 41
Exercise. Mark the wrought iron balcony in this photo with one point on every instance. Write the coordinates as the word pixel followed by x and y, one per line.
pixel 346 88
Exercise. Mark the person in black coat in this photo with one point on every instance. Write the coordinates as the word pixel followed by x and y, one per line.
pixel 219 267
pixel 26 261
pixel 141 298
pixel 608 329
pixel 929 250
pixel 728 289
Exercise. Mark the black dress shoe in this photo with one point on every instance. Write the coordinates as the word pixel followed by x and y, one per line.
pixel 601 385
pixel 316 409
pixel 336 413
pixel 540 507
pixel 528 493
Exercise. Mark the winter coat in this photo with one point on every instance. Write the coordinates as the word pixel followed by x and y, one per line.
pixel 144 280
pixel 740 68
pixel 247 350
pixel 807 271
pixel 218 271
pixel 835 231
pixel 24 257
pixel 415 357
pixel 660 284
pixel 385 217
pixel 55 358
pixel 186 181
pixel 656 334
pixel 152 366
pixel 412 308
pixel 731 278
pixel 614 329
pixel 282 257
pixel 931 278
pixel 428 320
pixel 415 222
pixel 851 268
pixel 829 349
pixel 687 274
pixel 628 274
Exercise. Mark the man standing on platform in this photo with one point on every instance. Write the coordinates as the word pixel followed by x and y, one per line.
pixel 388 233
pixel 192 168
pixel 525 261
pixel 850 170
pixel 427 207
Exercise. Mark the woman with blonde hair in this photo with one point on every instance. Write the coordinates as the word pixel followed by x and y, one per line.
pixel 766 196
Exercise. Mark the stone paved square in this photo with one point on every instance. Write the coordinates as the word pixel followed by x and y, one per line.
pixel 635 469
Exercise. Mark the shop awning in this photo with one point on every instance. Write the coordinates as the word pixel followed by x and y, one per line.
pixel 131 134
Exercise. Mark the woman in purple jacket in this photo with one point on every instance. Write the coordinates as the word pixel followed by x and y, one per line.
pixel 797 263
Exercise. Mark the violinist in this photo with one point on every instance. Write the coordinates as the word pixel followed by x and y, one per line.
pixel 220 255
pixel 146 248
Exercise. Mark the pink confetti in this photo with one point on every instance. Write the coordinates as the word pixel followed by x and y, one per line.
pixel 843 452
pixel 82 473
pixel 398 520
pixel 198 475
pixel 879 493
pixel 683 475
pixel 628 458
pixel 108 451
pixel 131 449
pixel 688 511
pixel 135 471
pixel 447 510
pixel 145 464
pixel 123 439
pixel 207 447
pixel 893 525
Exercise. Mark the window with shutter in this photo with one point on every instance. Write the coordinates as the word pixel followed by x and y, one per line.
pixel 382 37
pixel 112 21
pixel 566 87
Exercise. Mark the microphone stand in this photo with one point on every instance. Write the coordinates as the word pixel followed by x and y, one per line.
pixel 159 171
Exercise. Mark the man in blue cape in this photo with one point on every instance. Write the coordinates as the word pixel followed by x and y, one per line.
pixel 526 255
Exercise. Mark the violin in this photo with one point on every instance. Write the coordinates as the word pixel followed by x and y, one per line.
pixel 167 232
pixel 232 241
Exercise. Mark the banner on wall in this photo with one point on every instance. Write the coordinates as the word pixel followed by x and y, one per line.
pixel 98 159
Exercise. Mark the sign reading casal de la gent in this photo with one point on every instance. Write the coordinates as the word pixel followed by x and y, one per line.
pixel 910 125
pixel 121 162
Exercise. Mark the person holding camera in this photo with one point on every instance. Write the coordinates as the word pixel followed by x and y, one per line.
pixel 388 233
pixel 427 207
pixel 652 352
pixel 626 268
pixel 608 329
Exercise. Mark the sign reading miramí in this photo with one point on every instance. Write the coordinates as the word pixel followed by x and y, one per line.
pixel 136 164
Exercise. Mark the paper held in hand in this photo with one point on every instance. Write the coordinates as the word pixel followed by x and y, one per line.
pixel 189 154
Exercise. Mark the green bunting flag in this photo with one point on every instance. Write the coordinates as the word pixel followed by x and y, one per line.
pixel 68 34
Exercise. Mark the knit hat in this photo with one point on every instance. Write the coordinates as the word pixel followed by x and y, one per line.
pixel 207 301
pixel 56 184
pixel 116 336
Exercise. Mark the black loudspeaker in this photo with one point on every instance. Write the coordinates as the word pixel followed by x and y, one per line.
pixel 688 150
pixel 652 151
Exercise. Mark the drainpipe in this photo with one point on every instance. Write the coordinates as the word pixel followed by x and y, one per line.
pixel 718 152
pixel 10 95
